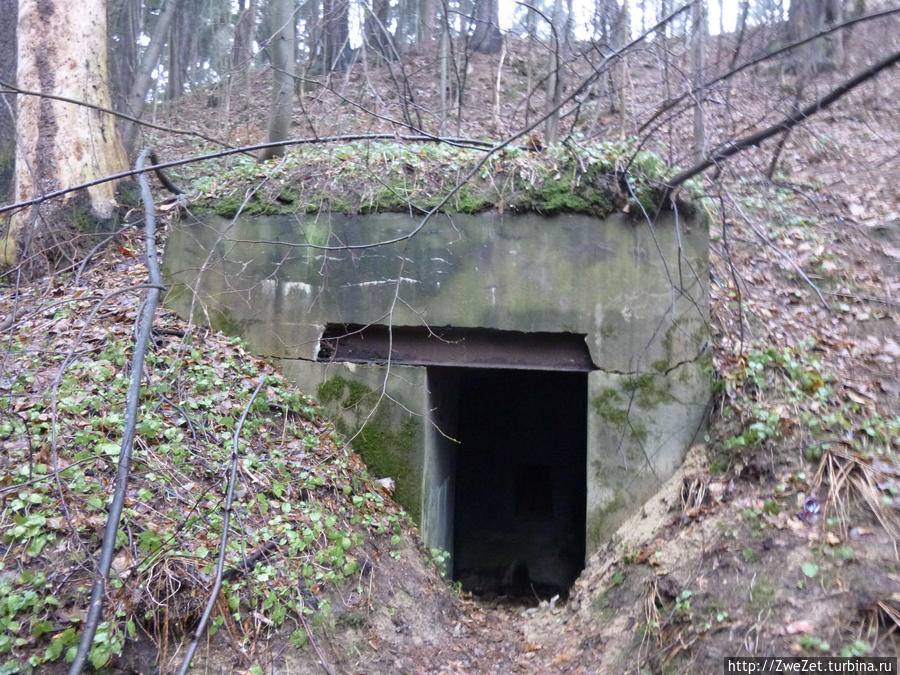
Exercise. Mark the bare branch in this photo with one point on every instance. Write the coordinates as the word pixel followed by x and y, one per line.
pixel 226 520
pixel 765 57
pixel 734 147
pixel 466 142
pixel 13 89
pixel 142 338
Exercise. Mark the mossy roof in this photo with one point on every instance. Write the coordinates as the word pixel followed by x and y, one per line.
pixel 372 177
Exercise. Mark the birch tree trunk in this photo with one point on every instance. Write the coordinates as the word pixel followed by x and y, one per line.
pixel 61 51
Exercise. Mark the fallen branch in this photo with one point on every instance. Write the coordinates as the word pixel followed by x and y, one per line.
pixel 733 147
pixel 142 339
pixel 9 88
pixel 220 566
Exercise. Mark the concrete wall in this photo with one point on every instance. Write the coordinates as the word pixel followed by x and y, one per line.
pixel 637 292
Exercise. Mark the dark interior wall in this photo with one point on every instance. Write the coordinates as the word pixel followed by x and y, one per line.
pixel 519 508
pixel 440 469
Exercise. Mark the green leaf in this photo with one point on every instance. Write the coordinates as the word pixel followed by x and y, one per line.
pixel 100 655
pixel 108 448
pixel 844 553
pixel 810 569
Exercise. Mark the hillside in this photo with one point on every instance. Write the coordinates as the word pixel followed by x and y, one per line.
pixel 778 536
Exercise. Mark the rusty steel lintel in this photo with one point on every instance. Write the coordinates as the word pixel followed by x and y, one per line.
pixel 450 346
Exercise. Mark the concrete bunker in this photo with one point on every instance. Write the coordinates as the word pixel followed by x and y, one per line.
pixel 513 335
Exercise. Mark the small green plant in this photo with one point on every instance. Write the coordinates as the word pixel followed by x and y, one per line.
pixel 855 649
pixel 441 559
pixel 812 643
pixel 683 603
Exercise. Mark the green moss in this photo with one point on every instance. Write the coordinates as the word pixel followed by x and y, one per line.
pixel 469 200
pixel 597 521
pixel 604 405
pixel 221 320
pixel 289 195
pixel 7 167
pixel 388 441
pixel 382 177
pixel 610 407
pixel 390 450
pixel 649 390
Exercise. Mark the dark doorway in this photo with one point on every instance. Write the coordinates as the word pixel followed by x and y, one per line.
pixel 520 483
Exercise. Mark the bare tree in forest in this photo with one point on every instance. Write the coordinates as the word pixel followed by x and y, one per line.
pixel 699 30
pixel 335 34
pixel 61 51
pixel 126 21
pixel 140 85
pixel 378 38
pixel 425 28
pixel 281 54
pixel 486 38
pixel 554 78
pixel 241 50
pixel 7 101
pixel 809 17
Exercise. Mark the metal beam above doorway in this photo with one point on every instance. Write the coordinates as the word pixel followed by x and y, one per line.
pixel 451 346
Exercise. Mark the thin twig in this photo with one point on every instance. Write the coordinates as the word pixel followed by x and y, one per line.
pixel 220 566
pixel 11 88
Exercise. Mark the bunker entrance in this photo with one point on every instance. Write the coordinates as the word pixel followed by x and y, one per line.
pixel 505 457
pixel 518 506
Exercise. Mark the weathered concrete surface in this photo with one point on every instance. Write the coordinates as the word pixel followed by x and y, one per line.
pixel 638 293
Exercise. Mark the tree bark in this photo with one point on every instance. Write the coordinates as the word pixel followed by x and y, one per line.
pixel 335 14
pixel 698 57
pixel 808 17
pixel 137 95
pixel 427 15
pixel 8 10
pixel 487 38
pixel 62 51
pixel 282 55
pixel 377 36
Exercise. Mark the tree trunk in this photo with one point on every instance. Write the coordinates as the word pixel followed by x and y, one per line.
pixel 806 18
pixel 698 57
pixel 125 21
pixel 242 51
pixel 137 95
pixel 427 14
pixel 487 38
pixel 282 56
pixel 8 11
pixel 335 14
pixel 61 51
pixel 378 38
pixel 554 78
